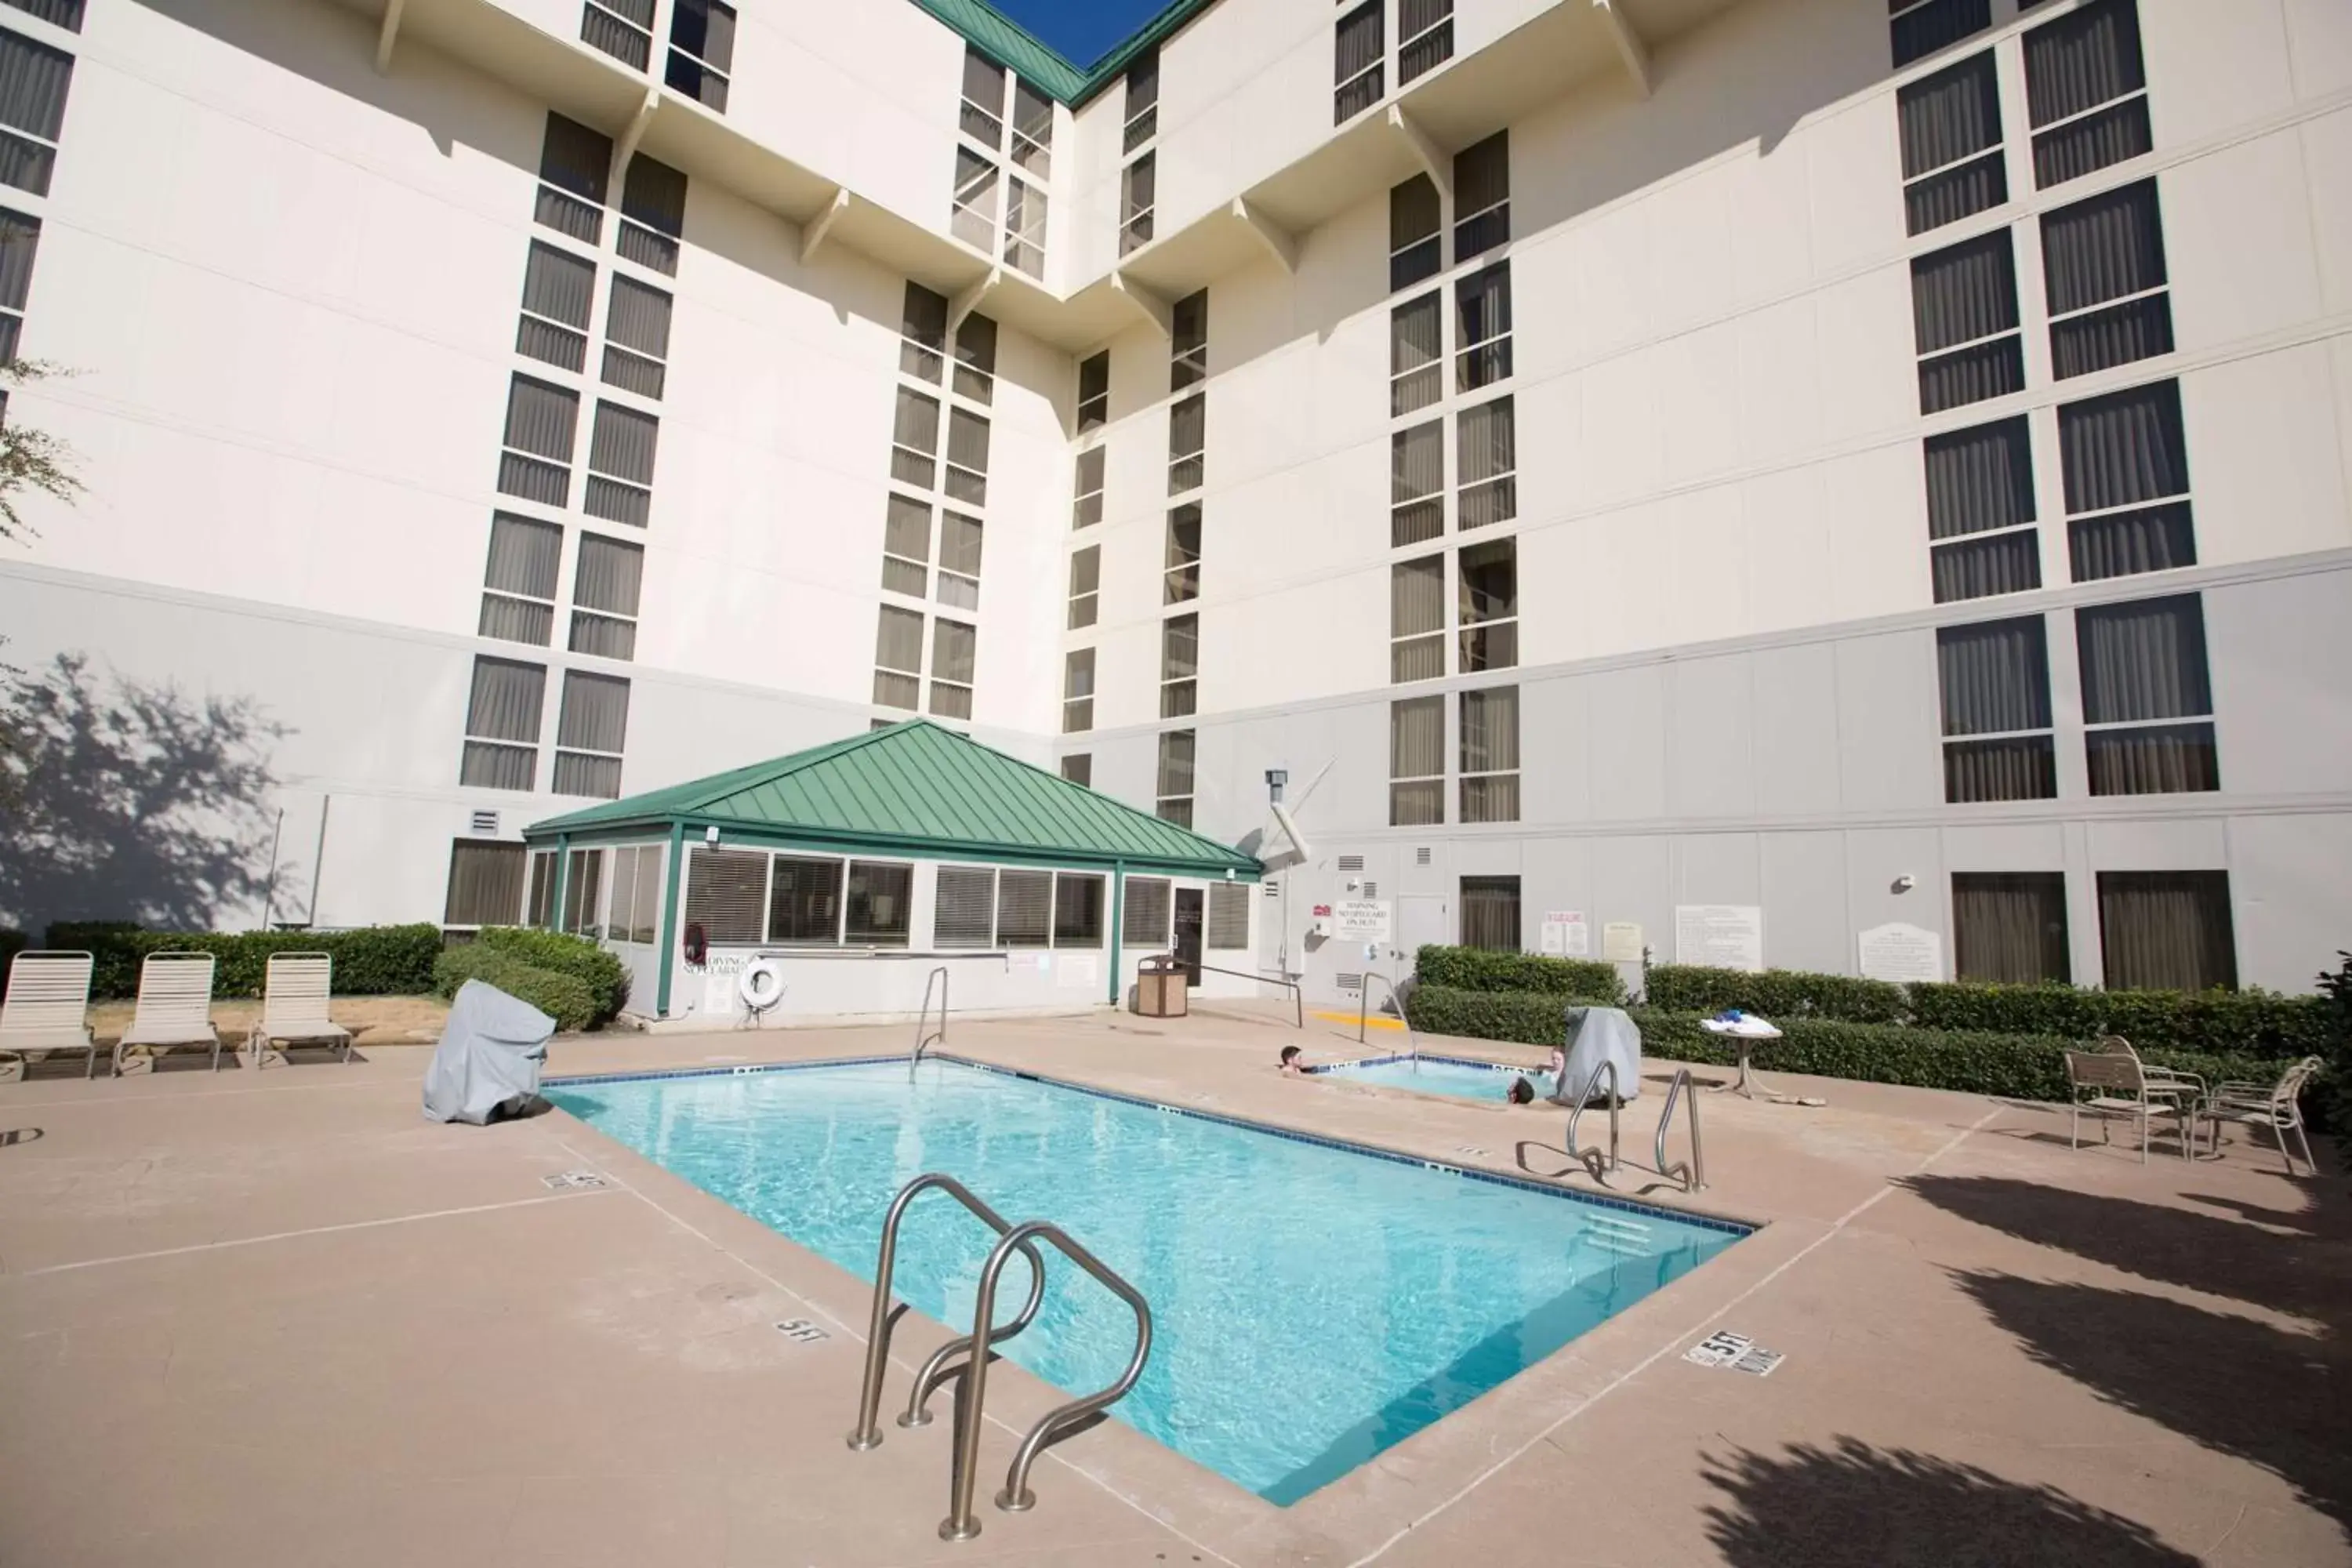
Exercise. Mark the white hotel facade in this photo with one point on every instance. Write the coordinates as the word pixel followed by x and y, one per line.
pixel 1868 465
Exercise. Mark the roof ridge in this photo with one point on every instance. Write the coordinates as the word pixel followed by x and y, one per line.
pixel 988 29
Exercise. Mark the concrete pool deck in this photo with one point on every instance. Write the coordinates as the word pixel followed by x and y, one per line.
pixel 279 1319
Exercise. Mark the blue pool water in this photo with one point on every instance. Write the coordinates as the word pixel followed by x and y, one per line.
pixel 1313 1305
pixel 1439 1075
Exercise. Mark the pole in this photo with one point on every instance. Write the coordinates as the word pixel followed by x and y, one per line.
pixel 319 860
pixel 269 895
pixel 1118 916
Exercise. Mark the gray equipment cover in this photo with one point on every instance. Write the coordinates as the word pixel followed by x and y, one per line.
pixel 1596 1034
pixel 489 1057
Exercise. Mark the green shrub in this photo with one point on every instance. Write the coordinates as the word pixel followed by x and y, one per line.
pixel 11 943
pixel 2334 1095
pixel 565 998
pixel 1530 1017
pixel 606 977
pixel 2251 1022
pixel 1482 969
pixel 373 961
pixel 1776 994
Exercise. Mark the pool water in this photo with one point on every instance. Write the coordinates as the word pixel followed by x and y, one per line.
pixel 1440 1075
pixel 1312 1305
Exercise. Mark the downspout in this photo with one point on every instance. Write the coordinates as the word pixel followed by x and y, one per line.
pixel 1117 915
pixel 562 872
pixel 669 917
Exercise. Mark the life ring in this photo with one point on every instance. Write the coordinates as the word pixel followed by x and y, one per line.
pixel 762 985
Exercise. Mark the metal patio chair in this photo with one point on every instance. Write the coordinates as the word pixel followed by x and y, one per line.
pixel 46 1009
pixel 2113 1084
pixel 174 1008
pixel 2278 1106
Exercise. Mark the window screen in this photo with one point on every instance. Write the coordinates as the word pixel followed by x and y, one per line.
pixel 1415 245
pixel 1995 681
pixel 1417 483
pixel 1229 916
pixel 922 332
pixel 727 895
pixel 1417 619
pixel 2143 668
pixel 2110 247
pixel 1424 36
pixel 573 163
pixel 502 724
pixel 2085 91
pixel 637 328
pixel 582 888
pixel 609 576
pixel 1188 359
pixel 1490 912
pixel 1486 443
pixel 1482 196
pixel 1490 755
pixel 1964 317
pixel 558 290
pixel 485 883
pixel 967 476
pixel 1356 59
pixel 2008 928
pixel 542 421
pixel 1087 506
pixel 653 204
pixel 518 581
pixel 1486 605
pixel 1079 768
pixel 1952 162
pixel 965 913
pixel 1980 510
pixel 879 905
pixel 1417 761
pixel 1482 307
pixel 33 82
pixel 1188 439
pixel 2168 930
pixel 2125 463
pixel 1078 690
pixel 1416 329
pixel 1077 910
pixel 1183 561
pixel 1138 184
pixel 804 901
pixel 1094 391
pixel 1919 30
pixel 1143 107
pixel 1025 907
pixel 976 354
pixel 1180 664
pixel 1144 923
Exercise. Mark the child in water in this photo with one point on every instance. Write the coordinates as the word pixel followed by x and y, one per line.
pixel 1294 1061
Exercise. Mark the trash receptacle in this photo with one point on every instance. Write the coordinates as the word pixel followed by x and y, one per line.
pixel 1160 987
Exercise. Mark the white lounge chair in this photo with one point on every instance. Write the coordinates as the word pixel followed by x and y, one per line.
pixel 2111 1082
pixel 294 996
pixel 2278 1106
pixel 175 1006
pixel 48 1009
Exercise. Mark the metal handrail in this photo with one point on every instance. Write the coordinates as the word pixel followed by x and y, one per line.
pixel 869 1431
pixel 1692 1173
pixel 922 1015
pixel 1363 1011
pixel 961 1523
pixel 1297 996
pixel 1591 1158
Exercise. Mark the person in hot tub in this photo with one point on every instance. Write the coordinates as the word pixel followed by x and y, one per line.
pixel 1294 1061
pixel 1521 1091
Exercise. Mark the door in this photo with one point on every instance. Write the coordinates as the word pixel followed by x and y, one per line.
pixel 1422 920
pixel 1190 902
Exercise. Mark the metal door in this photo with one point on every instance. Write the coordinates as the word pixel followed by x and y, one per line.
pixel 1422 920
pixel 1190 902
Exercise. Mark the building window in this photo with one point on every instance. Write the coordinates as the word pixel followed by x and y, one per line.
pixel 983 115
pixel 20 242
pixel 803 902
pixel 636 334
pixel 963 908
pixel 879 904
pixel 2143 673
pixel 907 546
pixel 636 895
pixel 1087 506
pixel 915 439
pixel 1490 754
pixel 2008 928
pixel 975 358
pixel 652 214
pixel 1417 619
pixel 2167 931
pixel 2086 92
pixel 922 333
pixel 1487 605
pixel 1417 761
pixel 518 582
pixel 1490 913
pixel 1482 196
pixel 502 724
pixel 584 892
pixel 1356 58
pixel 540 911
pixel 1229 915
pixel 33 82
pixel 1077 910
pixel 1994 679
pixel 66 14
pixel 558 290
pixel 1183 567
pixel 1980 500
pixel 1415 243
pixel 1424 36
pixel 1094 391
pixel 543 424
pixel 1077 690
pixel 604 589
pixel 959 548
pixel 574 162
pixel 1142 100
pixel 1952 162
pixel 485 884
pixel 727 895
pixel 1175 793
pixel 1482 304
pixel 1416 376
pixel 2103 263
pixel 621 28
pixel 973 217
pixel 621 465
pixel 1417 483
pixel 1188 441
pixel 1179 665
pixel 2126 461
pixel 1024 226
pixel 1032 133
pixel 1144 921
pixel 1137 186
pixel 1487 446
pixel 1024 909
pixel 899 659
pixel 954 650
pixel 1964 317
pixel 967 472
pixel 702 50
pixel 1085 585
pixel 589 733
pixel 1079 768
pixel 1188 358
pixel 1920 28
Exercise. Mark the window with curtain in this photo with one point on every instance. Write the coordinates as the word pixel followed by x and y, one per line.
pixel 1179 665
pixel 963 913
pixel 1416 245
pixel 967 473
pixel 1087 506
pixel 485 883
pixel 1175 779
pixel 1138 185
pixel 2103 264
pixel 2147 698
pixel 2008 928
pixel 1024 909
pixel 2167 931
pixel 1188 342
pixel 1077 690
pixel 1994 681
pixel 2125 463
pixel 1416 378
pixel 621 28
pixel 803 902
pixel 584 890
pixel 983 111
pixel 878 904
pixel 1024 226
pixel 1143 923
pixel 1188 442
pixel 646 901
pixel 1486 446
pixel 1229 917
pixel 702 50
pixel 558 290
pixel 1417 761
pixel 1481 309
pixel 652 214
pixel 1490 754
pixel 1079 768
pixel 1980 512
pixel 1078 899
pixel 1952 160
pixel 1417 619
pixel 1094 392
pixel 1142 106
pixel 1356 50
pixel 1424 36
pixel 1486 605
pixel 502 724
pixel 1183 562
pixel 519 581
pixel 1920 28
pixel 605 584
pixel 540 913
pixel 636 337
pixel 960 550
pixel 922 333
pixel 20 242
pixel 907 546
pixel 621 465
pixel 2086 92
pixel 1490 913
pixel 915 439
pixel 543 424
pixel 33 78
pixel 66 14
pixel 1482 196
pixel 1964 317
pixel 727 895
pixel 899 658
pixel 954 651
pixel 975 357
pixel 573 165
pixel 1417 483
pixel 590 730
pixel 972 216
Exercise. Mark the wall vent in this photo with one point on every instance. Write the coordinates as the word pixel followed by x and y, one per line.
pixel 1352 981
pixel 1420 856
pixel 1372 889
pixel 1351 862
pixel 486 822
pixel 1273 890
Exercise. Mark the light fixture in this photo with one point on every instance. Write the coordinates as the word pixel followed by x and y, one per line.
pixel 1275 779
pixel 710 833
pixel 1905 882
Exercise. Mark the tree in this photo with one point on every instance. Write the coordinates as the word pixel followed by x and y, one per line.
pixel 30 459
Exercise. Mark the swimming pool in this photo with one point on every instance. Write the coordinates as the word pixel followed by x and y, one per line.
pixel 1456 1076
pixel 1314 1304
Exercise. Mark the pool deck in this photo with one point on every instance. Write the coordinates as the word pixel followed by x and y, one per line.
pixel 279 1319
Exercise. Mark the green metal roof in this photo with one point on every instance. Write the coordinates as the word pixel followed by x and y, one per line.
pixel 1006 42
pixel 915 788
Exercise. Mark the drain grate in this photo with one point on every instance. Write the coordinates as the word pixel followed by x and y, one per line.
pixel 1736 1352
pixel 573 1181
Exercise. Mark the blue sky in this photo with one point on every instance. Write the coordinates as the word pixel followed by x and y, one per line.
pixel 1082 31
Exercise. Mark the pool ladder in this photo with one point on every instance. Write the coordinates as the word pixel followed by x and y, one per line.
pixel 1690 1172
pixel 923 1017
pixel 961 1523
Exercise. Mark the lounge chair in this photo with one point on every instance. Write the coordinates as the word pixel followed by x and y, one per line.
pixel 175 1006
pixel 48 1009
pixel 294 998
pixel 2278 1106
pixel 2111 1082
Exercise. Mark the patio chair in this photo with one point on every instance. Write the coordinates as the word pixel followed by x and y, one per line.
pixel 2278 1106
pixel 2112 1083
pixel 174 1008
pixel 294 998
pixel 48 1009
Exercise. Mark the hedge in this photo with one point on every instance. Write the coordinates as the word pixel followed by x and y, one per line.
pixel 1777 994
pixel 373 960
pixel 606 977
pixel 2255 1023
pixel 565 998
pixel 1483 969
